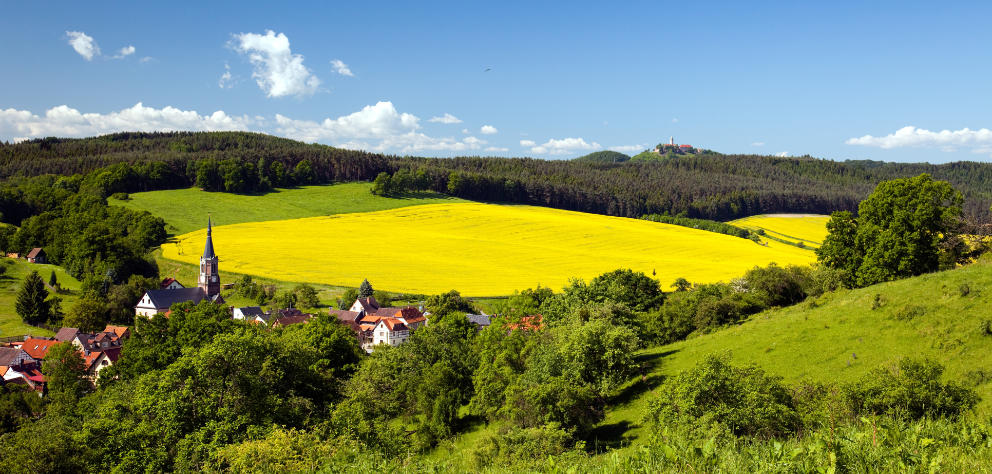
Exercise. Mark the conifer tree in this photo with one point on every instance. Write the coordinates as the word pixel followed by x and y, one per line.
pixel 365 290
pixel 31 303
pixel 52 281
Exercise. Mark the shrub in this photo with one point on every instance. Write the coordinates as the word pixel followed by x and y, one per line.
pixel 514 445
pixel 912 389
pixel 909 312
pixel 744 399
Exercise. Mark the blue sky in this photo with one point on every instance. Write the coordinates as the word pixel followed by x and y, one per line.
pixel 894 81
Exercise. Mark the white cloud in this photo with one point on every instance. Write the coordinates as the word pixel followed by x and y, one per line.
pixel 446 118
pixel 488 130
pixel 64 121
pixel 226 80
pixel 146 59
pixel 465 131
pixel 378 127
pixel 497 149
pixel 782 154
pixel 341 68
pixel 918 137
pixel 124 52
pixel 758 144
pixel 278 71
pixel 628 148
pixel 83 44
pixel 564 146
pixel 527 143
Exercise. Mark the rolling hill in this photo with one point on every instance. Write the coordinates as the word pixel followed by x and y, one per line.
pixel 809 230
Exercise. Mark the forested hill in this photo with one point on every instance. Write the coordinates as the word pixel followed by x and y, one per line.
pixel 711 186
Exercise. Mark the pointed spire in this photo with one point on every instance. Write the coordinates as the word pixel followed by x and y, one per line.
pixel 208 249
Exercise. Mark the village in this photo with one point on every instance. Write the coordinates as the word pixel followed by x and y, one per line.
pixel 374 325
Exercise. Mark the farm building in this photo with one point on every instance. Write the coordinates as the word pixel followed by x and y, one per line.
pixel 37 255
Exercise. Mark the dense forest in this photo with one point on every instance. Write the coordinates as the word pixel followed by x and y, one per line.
pixel 709 185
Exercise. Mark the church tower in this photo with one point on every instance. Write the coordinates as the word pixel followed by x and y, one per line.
pixel 209 277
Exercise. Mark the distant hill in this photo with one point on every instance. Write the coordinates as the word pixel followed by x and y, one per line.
pixel 700 185
pixel 605 156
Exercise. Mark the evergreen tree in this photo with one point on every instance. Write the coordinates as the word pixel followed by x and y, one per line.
pixel 31 302
pixel 365 290
pixel 52 281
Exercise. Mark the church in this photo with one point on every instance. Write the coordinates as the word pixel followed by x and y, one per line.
pixel 208 286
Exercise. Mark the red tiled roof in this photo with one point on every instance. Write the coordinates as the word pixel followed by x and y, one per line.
pixel 166 282
pixel 528 323
pixel 685 146
pixel 37 348
pixel 118 330
pixel 34 252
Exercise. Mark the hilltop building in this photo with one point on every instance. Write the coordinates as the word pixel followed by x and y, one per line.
pixel 671 147
pixel 208 286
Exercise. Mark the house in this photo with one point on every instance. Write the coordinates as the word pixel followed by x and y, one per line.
pixel 37 255
pixel 389 331
pixel 374 325
pixel 13 255
pixel 528 323
pixel 481 321
pixel 365 305
pixel 95 362
pixel 37 347
pixel 252 314
pixel 122 332
pixel 159 301
pixel 67 334
pixel 10 357
pixel 291 320
pixel 170 284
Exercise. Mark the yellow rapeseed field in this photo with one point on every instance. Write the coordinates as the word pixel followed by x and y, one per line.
pixel 810 229
pixel 478 249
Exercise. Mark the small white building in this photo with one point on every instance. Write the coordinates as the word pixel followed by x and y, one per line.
pixel 252 314
pixel 389 331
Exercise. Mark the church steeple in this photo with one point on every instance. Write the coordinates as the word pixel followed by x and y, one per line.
pixel 209 280
pixel 208 250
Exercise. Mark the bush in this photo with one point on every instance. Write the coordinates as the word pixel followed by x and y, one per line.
pixel 744 399
pixel 912 389
pixel 515 445
pixel 121 196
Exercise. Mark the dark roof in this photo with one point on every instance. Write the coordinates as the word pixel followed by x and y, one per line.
pixel 479 319
pixel 8 355
pixel 288 320
pixel 34 252
pixel 66 334
pixel 370 305
pixel 166 298
pixel 252 311
pixel 344 315
pixel 208 249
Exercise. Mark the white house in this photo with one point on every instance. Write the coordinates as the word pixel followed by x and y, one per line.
pixel 252 314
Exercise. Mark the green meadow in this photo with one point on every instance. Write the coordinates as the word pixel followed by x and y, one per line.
pixel 186 210
pixel 10 283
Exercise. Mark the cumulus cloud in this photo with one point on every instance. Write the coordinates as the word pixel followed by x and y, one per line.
pixel 498 149
pixel 563 146
pixel 466 131
pixel 527 143
pixel 341 68
pixel 917 137
pixel 278 71
pixel 757 143
pixel 628 148
pixel 378 127
pixel 124 52
pixel 488 130
pixel 64 121
pixel 226 80
pixel 782 154
pixel 84 44
pixel 446 119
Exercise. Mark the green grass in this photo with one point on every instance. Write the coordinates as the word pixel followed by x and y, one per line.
pixel 10 283
pixel 838 338
pixel 186 210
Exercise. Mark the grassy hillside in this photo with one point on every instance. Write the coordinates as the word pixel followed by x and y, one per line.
pixel 10 283
pixel 838 337
pixel 186 210
pixel 479 249
pixel 810 230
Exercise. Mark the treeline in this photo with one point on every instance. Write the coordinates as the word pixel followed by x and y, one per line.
pixel 701 224
pixel 710 185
